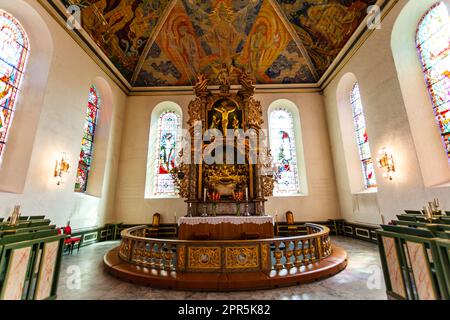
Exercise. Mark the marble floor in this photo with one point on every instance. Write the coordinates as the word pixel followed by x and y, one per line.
pixel 82 277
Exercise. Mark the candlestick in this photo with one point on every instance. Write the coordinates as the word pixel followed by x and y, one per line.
pixel 175 215
pixel 204 195
pixel 246 193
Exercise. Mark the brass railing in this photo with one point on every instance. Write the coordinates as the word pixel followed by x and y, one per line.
pixel 278 256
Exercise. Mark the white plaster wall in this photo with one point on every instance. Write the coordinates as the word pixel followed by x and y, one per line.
pixel 387 125
pixel 320 204
pixel 59 129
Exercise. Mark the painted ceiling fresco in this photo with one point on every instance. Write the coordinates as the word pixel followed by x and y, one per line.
pixel 168 42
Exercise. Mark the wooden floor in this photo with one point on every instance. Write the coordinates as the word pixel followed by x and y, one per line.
pixel 362 279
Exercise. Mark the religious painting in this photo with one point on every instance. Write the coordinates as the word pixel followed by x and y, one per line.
pixel 225 116
pixel 201 37
pixel 324 27
pixel 121 28
pixel 165 43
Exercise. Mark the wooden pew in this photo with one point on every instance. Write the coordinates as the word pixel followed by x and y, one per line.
pixel 411 263
pixel 28 263
pixel 37 217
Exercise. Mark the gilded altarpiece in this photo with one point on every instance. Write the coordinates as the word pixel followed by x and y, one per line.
pixel 226 169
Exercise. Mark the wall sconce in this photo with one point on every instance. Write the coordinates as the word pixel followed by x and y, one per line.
pixel 62 167
pixel 386 162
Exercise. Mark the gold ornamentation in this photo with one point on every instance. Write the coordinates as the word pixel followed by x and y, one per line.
pixel 265 256
pixel 180 176
pixel 201 87
pixel 195 111
pixel 225 178
pixel 124 250
pixel 181 251
pixel 268 183
pixel 255 114
pixel 242 257
pixel 204 258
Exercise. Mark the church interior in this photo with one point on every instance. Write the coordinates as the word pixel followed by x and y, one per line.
pixel 224 149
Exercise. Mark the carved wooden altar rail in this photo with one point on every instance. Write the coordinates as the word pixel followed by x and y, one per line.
pixel 276 256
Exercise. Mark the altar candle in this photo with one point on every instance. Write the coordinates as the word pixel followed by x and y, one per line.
pixel 175 217
pixel 204 195
pixel 246 193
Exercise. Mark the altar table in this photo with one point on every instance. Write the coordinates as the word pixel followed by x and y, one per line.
pixel 225 227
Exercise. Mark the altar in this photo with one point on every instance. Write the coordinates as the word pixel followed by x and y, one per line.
pixel 225 227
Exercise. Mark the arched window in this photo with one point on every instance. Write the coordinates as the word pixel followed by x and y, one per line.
pixel 166 152
pixel 13 54
pixel 362 139
pixel 433 43
pixel 87 143
pixel 284 151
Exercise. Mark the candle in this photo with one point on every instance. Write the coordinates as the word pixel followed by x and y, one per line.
pixel 204 195
pixel 246 193
pixel 175 217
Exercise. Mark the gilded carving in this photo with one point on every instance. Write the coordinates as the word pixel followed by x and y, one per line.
pixel 255 114
pixel 242 257
pixel 268 183
pixel 204 258
pixel 181 251
pixel 195 111
pixel 180 176
pixel 265 256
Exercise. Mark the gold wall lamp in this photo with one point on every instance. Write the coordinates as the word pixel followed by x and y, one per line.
pixel 386 161
pixel 62 167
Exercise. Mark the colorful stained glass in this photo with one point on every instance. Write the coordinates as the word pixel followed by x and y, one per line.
pixel 87 143
pixel 282 143
pixel 433 43
pixel 168 140
pixel 362 139
pixel 13 54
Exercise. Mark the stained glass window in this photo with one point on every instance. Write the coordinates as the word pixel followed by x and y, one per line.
pixel 13 54
pixel 284 152
pixel 87 143
pixel 433 43
pixel 362 139
pixel 168 140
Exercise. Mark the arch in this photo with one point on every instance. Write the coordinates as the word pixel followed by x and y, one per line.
pixel 357 178
pixel 166 119
pixel 293 180
pixel 28 105
pixel 419 108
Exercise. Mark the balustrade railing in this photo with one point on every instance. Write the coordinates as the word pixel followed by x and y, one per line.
pixel 271 255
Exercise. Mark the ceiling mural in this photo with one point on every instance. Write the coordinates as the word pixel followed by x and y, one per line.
pixel 121 28
pixel 276 41
pixel 325 26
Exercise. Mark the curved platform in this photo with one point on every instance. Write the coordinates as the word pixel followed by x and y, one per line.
pixel 255 280
pixel 225 265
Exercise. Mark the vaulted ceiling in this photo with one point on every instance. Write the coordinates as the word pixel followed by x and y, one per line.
pixel 155 43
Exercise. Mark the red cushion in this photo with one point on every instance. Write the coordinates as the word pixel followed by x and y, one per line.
pixel 75 239
pixel 67 230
